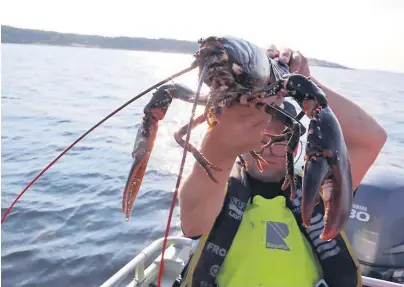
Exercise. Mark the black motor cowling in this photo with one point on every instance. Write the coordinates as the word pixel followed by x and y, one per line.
pixel 376 225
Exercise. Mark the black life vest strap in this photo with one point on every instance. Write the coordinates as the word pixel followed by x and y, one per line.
pixel 218 243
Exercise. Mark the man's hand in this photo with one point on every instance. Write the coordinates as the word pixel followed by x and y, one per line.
pixel 294 59
pixel 240 130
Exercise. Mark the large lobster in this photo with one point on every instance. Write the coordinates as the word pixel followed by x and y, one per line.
pixel 238 71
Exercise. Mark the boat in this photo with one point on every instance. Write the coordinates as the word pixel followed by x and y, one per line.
pixel 379 196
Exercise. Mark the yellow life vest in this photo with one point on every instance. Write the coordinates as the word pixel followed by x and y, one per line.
pixel 269 250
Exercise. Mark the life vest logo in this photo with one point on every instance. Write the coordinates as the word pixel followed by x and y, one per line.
pixel 216 249
pixel 236 207
pixel 276 233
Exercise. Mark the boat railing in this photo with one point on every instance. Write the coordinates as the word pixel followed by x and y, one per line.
pixel 137 274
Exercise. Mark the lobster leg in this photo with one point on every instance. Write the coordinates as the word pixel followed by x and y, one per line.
pixel 182 92
pixel 292 136
pixel 208 166
pixel 285 136
pixel 259 161
pixel 290 174
pixel 286 133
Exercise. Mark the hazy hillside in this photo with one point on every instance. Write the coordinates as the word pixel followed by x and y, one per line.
pixel 29 36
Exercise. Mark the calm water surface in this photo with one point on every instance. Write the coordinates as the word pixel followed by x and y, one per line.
pixel 68 228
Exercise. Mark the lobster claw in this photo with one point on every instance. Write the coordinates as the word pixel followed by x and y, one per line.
pixel 141 155
pixel 154 111
pixel 327 165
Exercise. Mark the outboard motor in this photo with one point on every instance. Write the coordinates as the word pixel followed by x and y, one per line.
pixel 376 225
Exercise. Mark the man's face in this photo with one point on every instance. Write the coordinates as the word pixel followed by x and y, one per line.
pixel 274 155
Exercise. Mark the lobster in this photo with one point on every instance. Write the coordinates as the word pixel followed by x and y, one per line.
pixel 236 70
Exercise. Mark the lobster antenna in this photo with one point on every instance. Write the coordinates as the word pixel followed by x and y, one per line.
pixel 184 155
pixel 193 66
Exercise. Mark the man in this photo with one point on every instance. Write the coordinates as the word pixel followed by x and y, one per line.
pixel 248 229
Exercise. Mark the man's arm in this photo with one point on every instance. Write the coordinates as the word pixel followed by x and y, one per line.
pixel 200 198
pixel 364 137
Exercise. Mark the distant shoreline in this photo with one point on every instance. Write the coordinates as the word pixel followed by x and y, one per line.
pixel 75 45
pixel 13 35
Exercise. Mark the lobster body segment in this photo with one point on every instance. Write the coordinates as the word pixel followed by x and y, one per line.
pixel 239 68
pixel 255 70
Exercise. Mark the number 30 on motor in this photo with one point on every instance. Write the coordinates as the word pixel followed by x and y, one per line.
pixel 359 215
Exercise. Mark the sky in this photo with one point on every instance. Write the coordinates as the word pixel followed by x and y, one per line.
pixel 364 34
